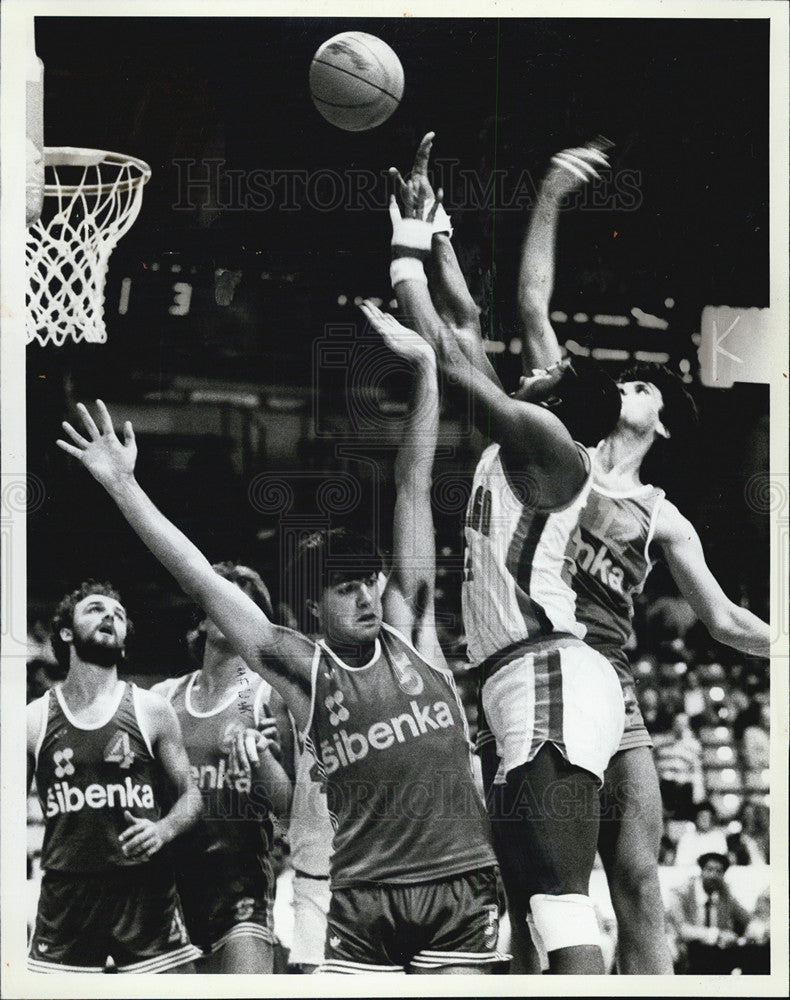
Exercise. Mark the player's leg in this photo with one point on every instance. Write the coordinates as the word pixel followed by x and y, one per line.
pixel 628 843
pixel 549 828
pixel 247 953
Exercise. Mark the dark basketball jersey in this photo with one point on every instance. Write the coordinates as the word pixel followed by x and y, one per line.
pixel 393 746
pixel 86 778
pixel 235 816
pixel 611 554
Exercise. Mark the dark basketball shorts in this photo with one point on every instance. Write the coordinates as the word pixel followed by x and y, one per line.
pixel 131 915
pixel 635 733
pixel 226 896
pixel 386 927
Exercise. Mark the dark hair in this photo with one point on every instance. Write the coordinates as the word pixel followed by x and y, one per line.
pixel 589 401
pixel 679 412
pixel 326 557
pixel 64 616
pixel 584 398
pixel 247 580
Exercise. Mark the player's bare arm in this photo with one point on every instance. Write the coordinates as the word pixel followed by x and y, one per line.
pixel 446 283
pixel 570 170
pixel 254 752
pixel 280 655
pixel 533 440
pixel 408 599
pixel 34 722
pixel 727 622
pixel 144 837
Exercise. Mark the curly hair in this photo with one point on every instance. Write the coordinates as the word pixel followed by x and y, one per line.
pixel 679 411
pixel 64 616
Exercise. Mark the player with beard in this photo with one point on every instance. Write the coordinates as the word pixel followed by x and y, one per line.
pixel 105 755
pixel 413 876
pixel 223 872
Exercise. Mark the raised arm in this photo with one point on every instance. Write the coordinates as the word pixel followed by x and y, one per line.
pixel 144 837
pixel 726 621
pixel 283 657
pixel 570 170
pixel 409 596
pixel 534 442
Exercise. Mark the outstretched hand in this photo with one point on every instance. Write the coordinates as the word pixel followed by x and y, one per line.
pixel 416 194
pixel 398 338
pixel 108 459
pixel 572 168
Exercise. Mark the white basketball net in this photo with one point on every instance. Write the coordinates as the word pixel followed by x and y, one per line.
pixel 91 200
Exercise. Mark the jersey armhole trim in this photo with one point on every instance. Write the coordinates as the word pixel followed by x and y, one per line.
pixel 313 684
pixel 444 671
pixel 44 723
pixel 653 525
pixel 141 724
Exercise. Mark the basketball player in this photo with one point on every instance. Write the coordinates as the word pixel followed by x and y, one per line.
pixel 413 872
pixel 621 522
pixel 310 834
pixel 105 754
pixel 622 527
pixel 553 703
pixel 222 864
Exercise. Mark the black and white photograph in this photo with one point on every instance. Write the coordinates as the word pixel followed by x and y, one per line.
pixel 395 505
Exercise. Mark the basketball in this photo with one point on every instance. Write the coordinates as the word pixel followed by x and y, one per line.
pixel 356 81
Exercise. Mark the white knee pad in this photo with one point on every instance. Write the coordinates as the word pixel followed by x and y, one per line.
pixel 565 921
pixel 537 940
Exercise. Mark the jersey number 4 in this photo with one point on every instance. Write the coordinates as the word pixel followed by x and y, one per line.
pixel 119 750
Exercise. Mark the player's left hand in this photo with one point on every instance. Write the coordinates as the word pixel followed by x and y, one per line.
pixel 572 169
pixel 398 338
pixel 247 747
pixel 142 838
pixel 108 459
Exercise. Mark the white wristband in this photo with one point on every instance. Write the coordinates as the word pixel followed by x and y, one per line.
pixel 441 221
pixel 412 234
pixel 407 269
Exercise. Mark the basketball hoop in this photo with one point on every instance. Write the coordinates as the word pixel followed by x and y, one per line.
pixel 91 199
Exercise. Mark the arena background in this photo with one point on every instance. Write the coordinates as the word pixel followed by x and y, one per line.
pixel 261 226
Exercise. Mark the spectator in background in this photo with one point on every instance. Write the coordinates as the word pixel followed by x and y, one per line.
pixel 706 921
pixel 749 844
pixel 705 837
pixel 666 851
pixel 694 703
pixel 678 755
pixel 752 727
pixel 656 719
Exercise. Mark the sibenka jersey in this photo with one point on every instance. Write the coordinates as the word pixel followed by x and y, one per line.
pixel 86 777
pixel 235 816
pixel 518 564
pixel 393 746
pixel 611 553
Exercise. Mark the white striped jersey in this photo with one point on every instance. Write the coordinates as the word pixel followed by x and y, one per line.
pixel 519 566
